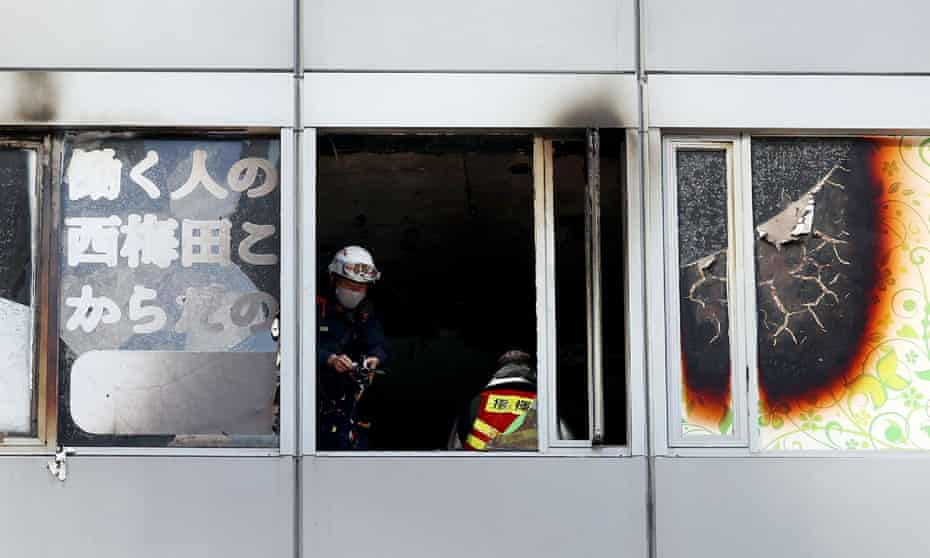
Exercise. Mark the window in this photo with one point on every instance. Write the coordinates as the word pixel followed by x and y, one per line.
pixel 449 222
pixel 459 227
pixel 169 282
pixel 589 316
pixel 841 297
pixel 19 217
pixel 706 368
pixel 826 308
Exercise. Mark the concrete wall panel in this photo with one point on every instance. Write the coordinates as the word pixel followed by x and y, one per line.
pixel 827 36
pixel 770 508
pixel 113 507
pixel 470 507
pixel 470 100
pixel 481 35
pixel 203 99
pixel 110 34
pixel 813 102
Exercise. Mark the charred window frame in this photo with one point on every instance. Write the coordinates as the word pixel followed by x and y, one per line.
pixel 710 408
pixel 41 361
pixel 627 243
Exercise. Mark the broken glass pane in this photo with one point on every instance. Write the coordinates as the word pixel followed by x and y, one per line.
pixel 17 237
pixel 169 284
pixel 702 276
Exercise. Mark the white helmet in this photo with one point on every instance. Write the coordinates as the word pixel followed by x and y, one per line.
pixel 355 264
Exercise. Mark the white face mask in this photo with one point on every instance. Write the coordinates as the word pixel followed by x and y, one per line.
pixel 348 298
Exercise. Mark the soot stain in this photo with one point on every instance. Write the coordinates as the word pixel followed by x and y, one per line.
pixel 817 296
pixel 36 97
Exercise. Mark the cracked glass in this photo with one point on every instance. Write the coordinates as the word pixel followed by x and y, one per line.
pixel 17 242
pixel 706 400
pixel 170 253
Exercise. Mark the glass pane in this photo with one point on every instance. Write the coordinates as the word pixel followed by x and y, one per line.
pixel 843 307
pixel 571 280
pixel 703 307
pixel 448 221
pixel 17 241
pixel 169 284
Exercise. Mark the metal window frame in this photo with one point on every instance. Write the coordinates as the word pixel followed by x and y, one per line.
pixel 43 361
pixel 545 303
pixel 735 291
pixel 593 324
pixel 658 336
pixel 38 104
pixel 288 344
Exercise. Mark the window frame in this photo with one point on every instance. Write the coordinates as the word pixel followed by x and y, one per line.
pixel 44 356
pixel 661 337
pixel 47 331
pixel 736 289
pixel 545 299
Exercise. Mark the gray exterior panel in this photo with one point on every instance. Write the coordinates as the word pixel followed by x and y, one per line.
pixel 469 100
pixel 207 34
pixel 789 102
pixel 147 507
pixel 474 506
pixel 202 99
pixel 482 35
pixel 770 508
pixel 830 36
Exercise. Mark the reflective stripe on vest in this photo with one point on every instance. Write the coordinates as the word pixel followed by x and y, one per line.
pixel 498 412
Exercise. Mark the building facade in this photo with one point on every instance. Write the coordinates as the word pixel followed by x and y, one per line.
pixel 706 222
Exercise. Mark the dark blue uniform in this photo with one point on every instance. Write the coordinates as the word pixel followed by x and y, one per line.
pixel 356 334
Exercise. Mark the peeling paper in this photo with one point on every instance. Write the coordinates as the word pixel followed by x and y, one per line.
pixel 806 222
pixel 797 218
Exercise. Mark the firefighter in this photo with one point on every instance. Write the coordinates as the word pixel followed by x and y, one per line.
pixel 350 340
pixel 502 415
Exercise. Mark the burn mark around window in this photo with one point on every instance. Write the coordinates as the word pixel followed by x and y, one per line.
pixel 818 248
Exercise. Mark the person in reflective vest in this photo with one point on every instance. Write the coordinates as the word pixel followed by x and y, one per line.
pixel 502 416
pixel 350 339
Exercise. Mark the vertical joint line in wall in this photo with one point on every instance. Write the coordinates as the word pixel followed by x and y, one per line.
pixel 298 104
pixel 643 128
pixel 298 402
pixel 298 39
pixel 298 67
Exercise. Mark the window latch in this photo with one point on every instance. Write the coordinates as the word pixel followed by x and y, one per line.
pixel 58 467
